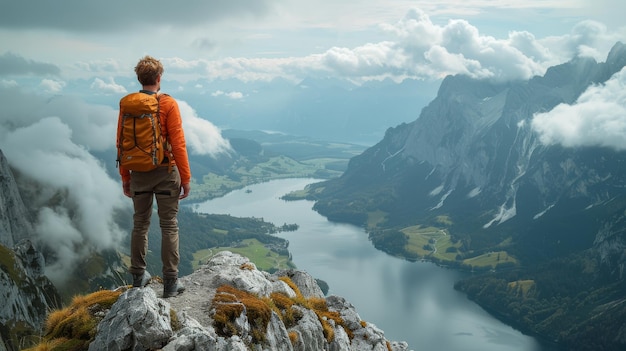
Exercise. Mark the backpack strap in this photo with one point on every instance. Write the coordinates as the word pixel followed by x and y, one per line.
pixel 167 149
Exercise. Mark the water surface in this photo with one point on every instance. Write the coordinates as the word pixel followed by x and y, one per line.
pixel 411 301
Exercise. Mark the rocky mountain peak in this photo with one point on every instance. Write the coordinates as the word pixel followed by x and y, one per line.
pixel 617 55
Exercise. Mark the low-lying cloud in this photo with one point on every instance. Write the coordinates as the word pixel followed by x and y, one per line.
pixel 202 136
pixel 597 118
pixel 48 141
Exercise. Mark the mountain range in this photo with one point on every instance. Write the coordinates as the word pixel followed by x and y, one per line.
pixel 471 164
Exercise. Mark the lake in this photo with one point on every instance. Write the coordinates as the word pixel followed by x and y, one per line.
pixel 411 301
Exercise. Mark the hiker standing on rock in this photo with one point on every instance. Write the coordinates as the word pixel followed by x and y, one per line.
pixel 153 163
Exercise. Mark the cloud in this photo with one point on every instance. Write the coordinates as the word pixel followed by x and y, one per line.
pixel 109 87
pixel 416 47
pixel 203 138
pixel 48 141
pixel 77 197
pixel 12 64
pixel 9 83
pixel 458 48
pixel 235 95
pixel 91 125
pixel 586 38
pixel 597 118
pixel 52 86
pixel 209 41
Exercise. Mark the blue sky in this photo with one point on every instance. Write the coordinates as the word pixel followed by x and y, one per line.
pixel 55 53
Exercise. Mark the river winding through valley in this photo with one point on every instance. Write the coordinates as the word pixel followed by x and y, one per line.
pixel 411 301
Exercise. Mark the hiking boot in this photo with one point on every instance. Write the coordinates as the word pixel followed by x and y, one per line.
pixel 141 280
pixel 172 287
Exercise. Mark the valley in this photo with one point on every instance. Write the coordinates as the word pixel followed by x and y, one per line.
pixel 260 157
pixel 258 253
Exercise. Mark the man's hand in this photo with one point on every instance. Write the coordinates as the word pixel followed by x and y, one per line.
pixel 184 191
pixel 126 187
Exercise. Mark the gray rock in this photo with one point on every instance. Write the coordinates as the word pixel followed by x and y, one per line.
pixel 15 220
pixel 141 321
pixel 304 281
pixel 277 335
pixel 137 321
pixel 239 272
pixel 309 330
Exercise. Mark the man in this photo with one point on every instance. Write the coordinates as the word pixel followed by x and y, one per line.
pixel 168 183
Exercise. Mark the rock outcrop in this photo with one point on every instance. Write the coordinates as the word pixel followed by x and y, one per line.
pixel 26 294
pixel 140 320
pixel 15 223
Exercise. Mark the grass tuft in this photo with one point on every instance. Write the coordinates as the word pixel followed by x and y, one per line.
pixel 229 303
pixel 74 327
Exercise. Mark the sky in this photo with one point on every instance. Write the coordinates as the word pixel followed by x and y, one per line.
pixel 56 55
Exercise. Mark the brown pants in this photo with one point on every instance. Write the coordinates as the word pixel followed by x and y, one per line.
pixel 144 187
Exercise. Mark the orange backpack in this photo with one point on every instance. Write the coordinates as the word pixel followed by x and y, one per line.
pixel 141 146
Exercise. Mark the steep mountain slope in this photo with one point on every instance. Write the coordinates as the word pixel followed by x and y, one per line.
pixel 14 219
pixel 27 295
pixel 473 158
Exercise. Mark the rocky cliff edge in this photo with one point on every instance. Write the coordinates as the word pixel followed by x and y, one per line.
pixel 230 305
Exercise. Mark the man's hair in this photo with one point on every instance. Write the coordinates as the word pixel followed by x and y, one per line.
pixel 148 69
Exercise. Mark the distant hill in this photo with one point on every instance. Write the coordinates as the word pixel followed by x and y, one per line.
pixel 471 166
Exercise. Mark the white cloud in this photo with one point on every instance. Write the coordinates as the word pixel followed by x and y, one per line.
pixel 109 87
pixel 77 199
pixel 91 125
pixel 338 38
pixel 52 86
pixel 235 95
pixel 4 83
pixel 48 140
pixel 597 118
pixel 202 136
pixel 417 47
pixel 458 48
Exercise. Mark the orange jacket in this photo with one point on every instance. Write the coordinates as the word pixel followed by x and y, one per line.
pixel 172 130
